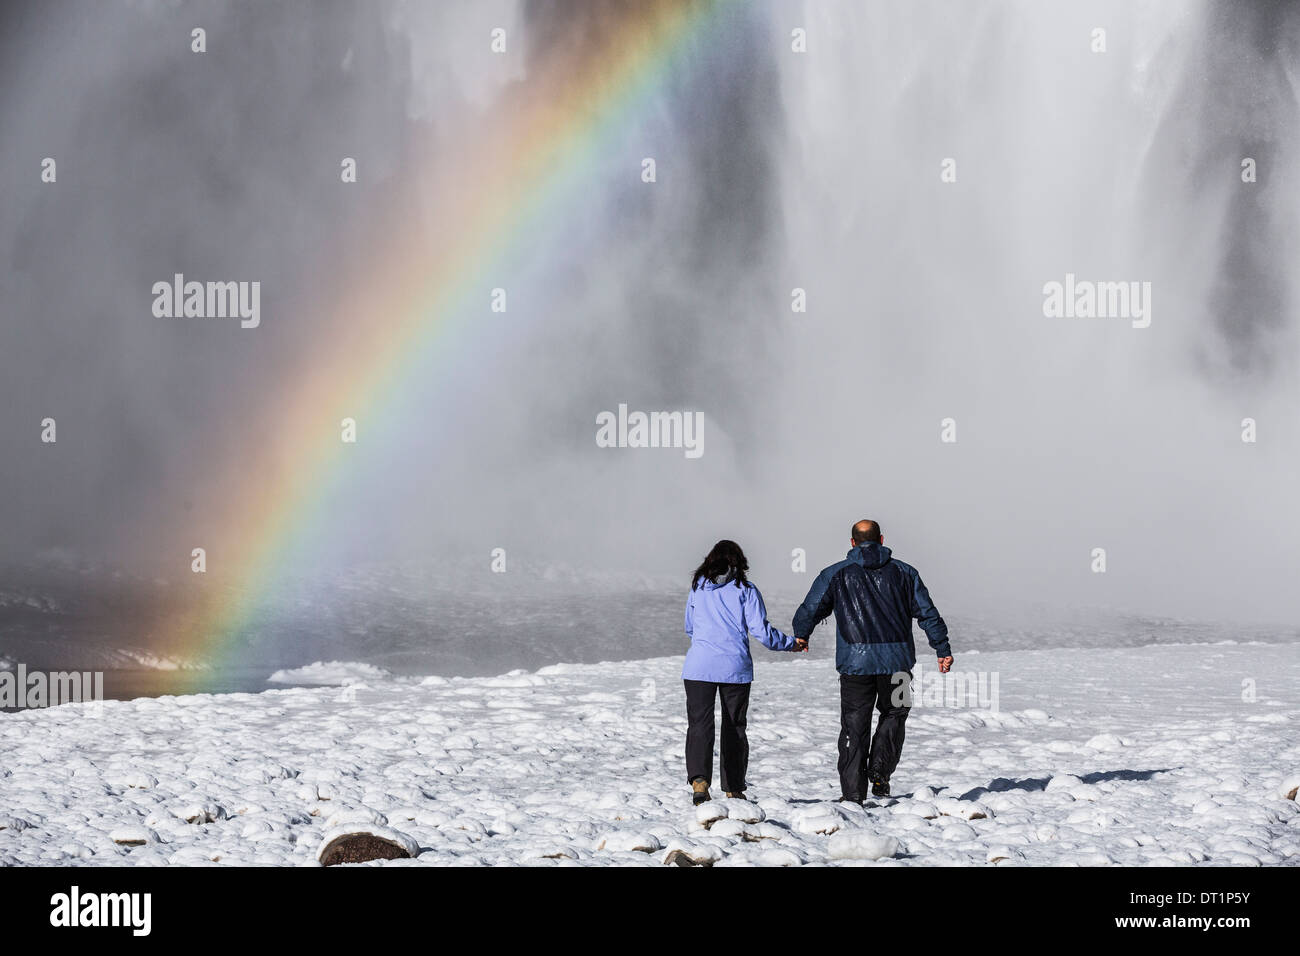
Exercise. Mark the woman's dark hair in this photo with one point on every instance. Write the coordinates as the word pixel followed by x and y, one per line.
pixel 725 560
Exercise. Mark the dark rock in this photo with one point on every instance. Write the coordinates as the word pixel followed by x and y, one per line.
pixel 361 848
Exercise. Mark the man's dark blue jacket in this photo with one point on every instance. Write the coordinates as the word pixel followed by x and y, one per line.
pixel 874 598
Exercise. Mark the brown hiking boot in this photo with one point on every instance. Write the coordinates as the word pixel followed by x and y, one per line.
pixel 736 794
pixel 700 787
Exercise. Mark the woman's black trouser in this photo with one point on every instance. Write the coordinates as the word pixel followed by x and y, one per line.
pixel 700 696
pixel 864 758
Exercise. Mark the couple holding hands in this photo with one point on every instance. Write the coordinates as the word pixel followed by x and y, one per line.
pixel 874 597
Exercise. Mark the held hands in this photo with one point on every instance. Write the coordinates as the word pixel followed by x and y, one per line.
pixel 800 645
pixel 945 663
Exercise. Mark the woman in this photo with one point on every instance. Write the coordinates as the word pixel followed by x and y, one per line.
pixel 723 610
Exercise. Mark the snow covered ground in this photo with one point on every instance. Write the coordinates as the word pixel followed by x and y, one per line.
pixel 1146 755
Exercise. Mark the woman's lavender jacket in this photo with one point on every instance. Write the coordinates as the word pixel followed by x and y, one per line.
pixel 720 617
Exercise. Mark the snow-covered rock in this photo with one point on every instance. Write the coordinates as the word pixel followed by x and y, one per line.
pixel 816 820
pixel 626 841
pixel 707 813
pixel 198 813
pixel 686 853
pixel 359 816
pixel 861 845
pixel 731 827
pixel 131 835
pixel 743 810
pixel 965 809
pixel 1290 788
pixel 999 853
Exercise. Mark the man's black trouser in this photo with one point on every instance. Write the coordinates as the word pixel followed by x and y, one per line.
pixel 864 758
pixel 700 695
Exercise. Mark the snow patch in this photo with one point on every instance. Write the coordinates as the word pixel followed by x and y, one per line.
pixel 330 673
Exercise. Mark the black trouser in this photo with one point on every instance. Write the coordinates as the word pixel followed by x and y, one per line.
pixel 859 762
pixel 700 695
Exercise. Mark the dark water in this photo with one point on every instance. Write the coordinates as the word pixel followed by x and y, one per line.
pixel 127 684
pixel 130 683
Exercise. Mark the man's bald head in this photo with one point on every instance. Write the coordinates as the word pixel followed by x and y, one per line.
pixel 864 531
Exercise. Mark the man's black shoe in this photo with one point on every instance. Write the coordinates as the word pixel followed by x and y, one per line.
pixel 880 788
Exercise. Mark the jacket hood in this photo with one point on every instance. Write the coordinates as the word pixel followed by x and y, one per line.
pixel 870 555
pixel 709 584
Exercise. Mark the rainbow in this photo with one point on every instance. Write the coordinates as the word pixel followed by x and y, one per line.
pixel 518 172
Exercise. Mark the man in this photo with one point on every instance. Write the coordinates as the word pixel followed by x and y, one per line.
pixel 875 598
